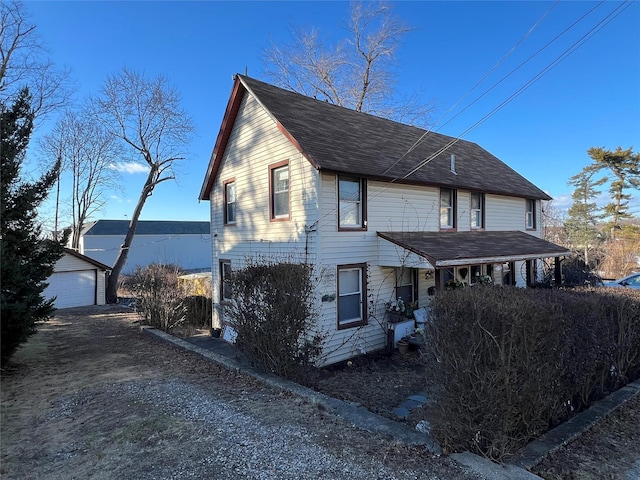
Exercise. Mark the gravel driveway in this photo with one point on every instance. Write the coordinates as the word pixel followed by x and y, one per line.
pixel 90 397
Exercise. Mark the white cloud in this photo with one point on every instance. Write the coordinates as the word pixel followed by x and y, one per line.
pixel 130 167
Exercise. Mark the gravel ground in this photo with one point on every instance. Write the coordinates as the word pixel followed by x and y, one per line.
pixel 89 397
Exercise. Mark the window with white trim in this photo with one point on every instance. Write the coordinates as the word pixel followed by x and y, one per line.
pixel 230 202
pixel 531 214
pixel 477 210
pixel 447 208
pixel 279 184
pixel 351 204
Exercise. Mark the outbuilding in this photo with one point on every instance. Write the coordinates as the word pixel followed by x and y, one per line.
pixel 77 281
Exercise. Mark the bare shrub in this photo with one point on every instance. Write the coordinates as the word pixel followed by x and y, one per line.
pixel 272 312
pixel 519 361
pixel 159 299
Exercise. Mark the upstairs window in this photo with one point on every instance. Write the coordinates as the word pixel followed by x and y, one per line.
pixel 447 208
pixel 230 202
pixel 530 217
pixel 477 210
pixel 279 186
pixel 351 205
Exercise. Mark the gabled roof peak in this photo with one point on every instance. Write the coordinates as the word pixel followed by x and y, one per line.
pixel 338 139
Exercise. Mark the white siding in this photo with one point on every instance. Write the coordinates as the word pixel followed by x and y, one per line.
pixel 256 143
pixel 390 207
pixel 312 233
pixel 463 218
pixel 76 283
pixel 508 214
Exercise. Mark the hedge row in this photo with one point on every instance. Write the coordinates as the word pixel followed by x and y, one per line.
pixel 517 362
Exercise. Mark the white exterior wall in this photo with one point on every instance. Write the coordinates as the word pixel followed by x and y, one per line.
pixel 188 251
pixel 508 214
pixel 254 234
pixel 390 207
pixel 70 264
pixel 254 144
pixel 463 218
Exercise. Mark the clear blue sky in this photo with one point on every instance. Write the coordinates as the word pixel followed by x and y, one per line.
pixel 591 98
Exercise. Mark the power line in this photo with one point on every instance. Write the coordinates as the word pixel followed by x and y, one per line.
pixel 595 29
pixel 513 49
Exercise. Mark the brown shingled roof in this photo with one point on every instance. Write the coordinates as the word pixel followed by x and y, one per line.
pixel 342 140
pixel 462 248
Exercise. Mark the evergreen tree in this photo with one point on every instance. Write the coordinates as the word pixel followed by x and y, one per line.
pixel 583 214
pixel 625 166
pixel 27 259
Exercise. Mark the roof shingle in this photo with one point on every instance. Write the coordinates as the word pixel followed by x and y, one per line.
pixel 453 248
pixel 343 140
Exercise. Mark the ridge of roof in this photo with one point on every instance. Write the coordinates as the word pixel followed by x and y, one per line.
pixel 342 140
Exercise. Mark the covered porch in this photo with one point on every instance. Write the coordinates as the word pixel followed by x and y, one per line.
pixel 501 258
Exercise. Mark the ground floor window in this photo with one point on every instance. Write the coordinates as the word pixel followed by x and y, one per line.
pixel 351 295
pixel 406 283
pixel 225 277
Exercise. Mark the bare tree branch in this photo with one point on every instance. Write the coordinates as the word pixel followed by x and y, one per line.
pixel 88 154
pixel 356 73
pixel 146 115
pixel 24 63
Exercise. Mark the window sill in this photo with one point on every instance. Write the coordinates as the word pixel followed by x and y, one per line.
pixel 352 229
pixel 345 326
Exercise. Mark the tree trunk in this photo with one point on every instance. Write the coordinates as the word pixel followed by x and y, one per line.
pixel 121 259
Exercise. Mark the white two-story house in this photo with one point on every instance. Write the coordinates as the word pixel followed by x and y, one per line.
pixel 383 210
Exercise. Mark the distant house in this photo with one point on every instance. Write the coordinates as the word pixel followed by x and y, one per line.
pixel 77 281
pixel 184 243
pixel 384 210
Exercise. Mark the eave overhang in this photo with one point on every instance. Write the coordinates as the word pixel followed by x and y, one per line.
pixel 449 249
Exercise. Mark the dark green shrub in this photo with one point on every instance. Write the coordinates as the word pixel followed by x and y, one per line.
pixel 273 316
pixel 519 361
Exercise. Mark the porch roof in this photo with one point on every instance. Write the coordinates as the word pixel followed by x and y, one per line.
pixel 447 249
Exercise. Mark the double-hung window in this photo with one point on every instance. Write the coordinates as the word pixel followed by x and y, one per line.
pixel 225 277
pixel 447 208
pixel 351 295
pixel 279 186
pixel 230 202
pixel 530 216
pixel 405 280
pixel 351 205
pixel 477 210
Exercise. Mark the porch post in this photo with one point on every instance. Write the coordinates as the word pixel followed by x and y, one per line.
pixel 557 271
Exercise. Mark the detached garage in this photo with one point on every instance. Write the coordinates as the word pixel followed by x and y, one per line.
pixel 77 281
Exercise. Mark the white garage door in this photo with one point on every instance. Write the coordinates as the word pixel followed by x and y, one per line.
pixel 72 289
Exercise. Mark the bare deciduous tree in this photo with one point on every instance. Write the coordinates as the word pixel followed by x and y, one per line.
pixel 146 115
pixel 88 154
pixel 356 73
pixel 553 224
pixel 621 252
pixel 23 63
